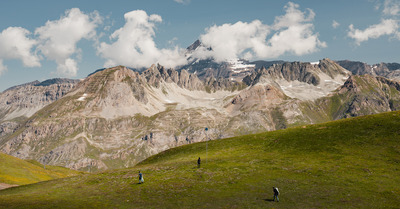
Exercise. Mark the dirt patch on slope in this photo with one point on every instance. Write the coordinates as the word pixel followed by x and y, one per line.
pixel 5 186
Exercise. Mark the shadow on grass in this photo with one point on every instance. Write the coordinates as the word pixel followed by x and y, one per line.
pixel 269 200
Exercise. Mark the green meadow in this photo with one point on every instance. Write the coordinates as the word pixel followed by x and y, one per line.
pixel 15 171
pixel 350 163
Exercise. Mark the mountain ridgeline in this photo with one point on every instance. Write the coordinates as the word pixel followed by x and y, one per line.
pixel 117 117
pixel 387 70
pixel 20 102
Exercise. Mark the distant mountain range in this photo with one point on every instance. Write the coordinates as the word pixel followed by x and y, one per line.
pixel 387 70
pixel 117 117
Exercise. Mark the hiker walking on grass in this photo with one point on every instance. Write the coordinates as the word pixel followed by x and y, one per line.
pixel 198 162
pixel 276 193
pixel 141 180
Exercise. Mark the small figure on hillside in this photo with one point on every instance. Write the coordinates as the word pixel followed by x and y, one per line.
pixel 141 180
pixel 276 193
pixel 198 162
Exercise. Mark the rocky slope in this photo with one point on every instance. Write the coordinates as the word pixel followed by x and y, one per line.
pixel 24 100
pixel 387 70
pixel 20 102
pixel 117 117
pixel 360 95
pixel 304 81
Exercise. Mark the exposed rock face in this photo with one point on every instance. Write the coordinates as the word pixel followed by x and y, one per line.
pixel 298 71
pixel 20 102
pixel 304 81
pixel 8 127
pixel 360 95
pixel 303 72
pixel 24 100
pixel 332 69
pixel 387 70
pixel 117 117
pixel 368 94
pixel 156 74
pixel 194 46
pixel 356 68
pixel 209 68
pixel 255 98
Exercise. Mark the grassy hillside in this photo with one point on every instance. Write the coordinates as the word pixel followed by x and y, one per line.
pixel 18 172
pixel 352 163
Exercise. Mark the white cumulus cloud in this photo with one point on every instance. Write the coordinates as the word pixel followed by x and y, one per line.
pixel 385 27
pixel 133 45
pixel 229 41
pixel 58 39
pixel 14 44
pixel 389 25
pixel 290 33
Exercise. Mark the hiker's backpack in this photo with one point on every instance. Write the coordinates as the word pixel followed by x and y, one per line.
pixel 276 191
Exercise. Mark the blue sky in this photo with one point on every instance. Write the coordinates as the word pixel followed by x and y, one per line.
pixel 45 39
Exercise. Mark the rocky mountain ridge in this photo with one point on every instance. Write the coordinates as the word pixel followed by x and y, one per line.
pixel 387 70
pixel 117 117
pixel 235 69
pixel 24 100
pixel 20 102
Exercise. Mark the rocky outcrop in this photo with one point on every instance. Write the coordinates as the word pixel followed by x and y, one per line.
pixel 363 95
pixel 257 97
pixel 8 127
pixel 356 68
pixel 212 84
pixel 194 46
pixel 387 70
pixel 303 72
pixel 157 73
pixel 24 100
pixel 297 71
pixel 20 102
pixel 332 69
pixel 204 69
pixel 304 81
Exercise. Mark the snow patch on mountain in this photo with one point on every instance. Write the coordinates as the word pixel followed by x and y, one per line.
pixel 82 98
pixel 167 95
pixel 305 91
pixel 239 64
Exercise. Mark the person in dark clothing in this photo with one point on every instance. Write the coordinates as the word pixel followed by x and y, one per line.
pixel 198 162
pixel 276 193
pixel 141 180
